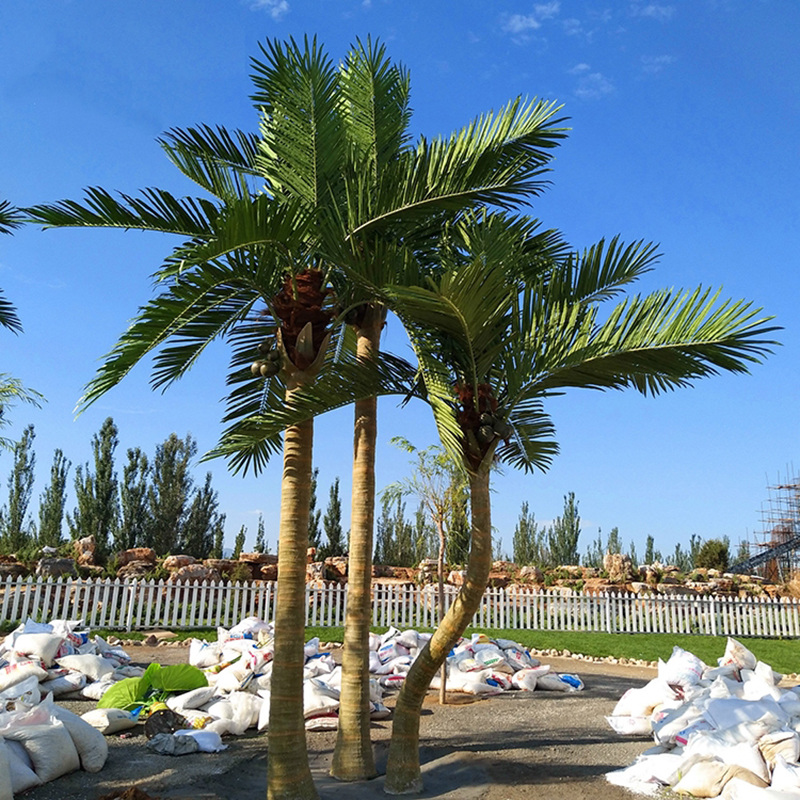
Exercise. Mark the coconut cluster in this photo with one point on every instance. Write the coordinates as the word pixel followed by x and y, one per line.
pixel 269 365
pixel 491 428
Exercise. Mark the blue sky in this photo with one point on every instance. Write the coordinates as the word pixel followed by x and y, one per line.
pixel 685 131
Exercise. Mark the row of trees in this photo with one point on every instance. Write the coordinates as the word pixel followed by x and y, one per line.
pixel 330 217
pixel 557 545
pixel 154 503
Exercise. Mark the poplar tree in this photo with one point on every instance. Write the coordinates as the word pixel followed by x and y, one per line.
pixel 53 501
pixel 132 529
pixel 332 524
pixel 17 530
pixel 314 514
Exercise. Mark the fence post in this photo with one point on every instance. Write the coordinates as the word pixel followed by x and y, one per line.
pixel 132 593
pixel 713 612
pixel 608 613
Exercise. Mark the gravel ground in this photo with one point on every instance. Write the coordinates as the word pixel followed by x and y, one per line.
pixel 513 746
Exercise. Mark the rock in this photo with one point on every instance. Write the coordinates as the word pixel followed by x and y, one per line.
pixel 12 569
pixel 195 573
pixel 531 574
pixel 618 567
pixel 671 579
pixel 504 566
pixel 336 568
pixel 151 641
pixel 173 563
pixel 498 580
pixel 269 572
pixel 136 569
pixel 85 549
pixel 598 586
pixel 675 590
pixel 310 553
pixel 136 554
pixel 258 558
pixel 56 568
pixel 315 571
pixel 456 577
pixel 223 566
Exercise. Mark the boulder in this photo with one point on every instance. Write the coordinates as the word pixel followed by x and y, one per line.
pixel 195 573
pixel 381 571
pixel 618 567
pixel 315 571
pixel 598 586
pixel 135 569
pixel 12 569
pixel 456 577
pixel 531 574
pixel 639 587
pixel 136 554
pixel 504 566
pixel 56 568
pixel 336 568
pixel 311 554
pixel 675 590
pixel 269 572
pixel 223 566
pixel 172 563
pixel 85 550
pixel 258 558
pixel 407 574
pixel 498 580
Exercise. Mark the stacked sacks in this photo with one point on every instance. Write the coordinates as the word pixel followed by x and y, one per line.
pixel 63 660
pixel 238 667
pixel 478 665
pixel 727 731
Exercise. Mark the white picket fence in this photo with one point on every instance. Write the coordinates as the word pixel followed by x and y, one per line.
pixel 131 605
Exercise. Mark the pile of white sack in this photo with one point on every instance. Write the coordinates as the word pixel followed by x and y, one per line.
pixel 60 658
pixel 238 667
pixel 39 740
pixel 727 731
pixel 479 665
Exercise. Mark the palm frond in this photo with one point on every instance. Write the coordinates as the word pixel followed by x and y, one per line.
pixel 249 441
pixel 10 217
pixel 301 146
pixel 656 343
pixel 12 391
pixel 156 210
pixel 531 445
pixel 8 315
pixel 221 162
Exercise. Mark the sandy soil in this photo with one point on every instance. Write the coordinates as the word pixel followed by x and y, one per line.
pixel 519 745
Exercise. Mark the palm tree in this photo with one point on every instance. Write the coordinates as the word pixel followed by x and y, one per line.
pixel 334 151
pixel 498 333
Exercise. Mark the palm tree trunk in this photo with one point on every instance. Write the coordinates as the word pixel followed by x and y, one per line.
pixel 440 607
pixel 353 759
pixel 402 772
pixel 288 773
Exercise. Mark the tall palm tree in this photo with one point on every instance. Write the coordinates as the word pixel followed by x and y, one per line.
pixel 501 331
pixel 333 150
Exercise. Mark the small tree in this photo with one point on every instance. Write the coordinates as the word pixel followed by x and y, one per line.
pixel 96 492
pixel 564 533
pixel 52 502
pixel 133 491
pixel 219 537
pixel 526 544
pixel 332 523
pixel 197 534
pixel 260 546
pixel 17 530
pixel 238 545
pixel 314 514
pixel 169 493
pixel 714 554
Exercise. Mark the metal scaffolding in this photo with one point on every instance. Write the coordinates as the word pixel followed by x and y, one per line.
pixel 777 547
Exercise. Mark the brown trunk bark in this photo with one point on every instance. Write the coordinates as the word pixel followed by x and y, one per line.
pixel 353 759
pixel 288 772
pixel 440 617
pixel 403 772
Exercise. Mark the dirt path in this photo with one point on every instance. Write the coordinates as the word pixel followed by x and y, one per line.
pixel 516 746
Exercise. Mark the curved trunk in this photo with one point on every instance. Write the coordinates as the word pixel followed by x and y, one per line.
pixel 288 773
pixel 402 771
pixel 440 608
pixel 353 759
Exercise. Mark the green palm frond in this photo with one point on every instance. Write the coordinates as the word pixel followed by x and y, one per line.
pixel 248 443
pixel 496 160
pixel 375 106
pixel 10 217
pixel 302 145
pixel 602 272
pixel 11 392
pixel 221 162
pixel 156 210
pixel 8 315
pixel 663 341
pixel 532 444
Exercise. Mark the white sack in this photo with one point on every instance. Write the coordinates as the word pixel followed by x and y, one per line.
pixel 50 749
pixel 110 720
pixel 93 667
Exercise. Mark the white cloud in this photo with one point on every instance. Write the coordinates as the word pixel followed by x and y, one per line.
pixel 277 9
pixel 591 85
pixel 572 26
pixel 653 64
pixel 653 10
pixel 521 23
